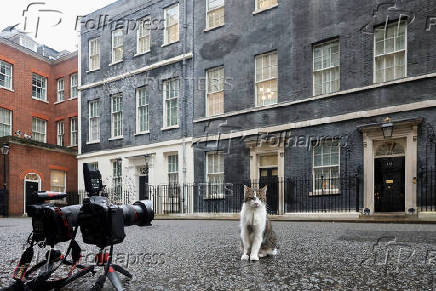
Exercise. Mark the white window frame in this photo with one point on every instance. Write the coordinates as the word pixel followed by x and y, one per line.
pixel 11 69
pixel 210 157
pixel 220 90
pixel 74 85
pixel 266 80
pixel 174 156
pixel 65 181
pixel 94 56
pixel 60 133
pixel 328 191
pixel 74 131
pixel 9 125
pixel 329 69
pixel 143 33
pixel 94 118
pixel 117 176
pixel 394 53
pixel 166 28
pixel 120 46
pixel 43 88
pixel 210 11
pixel 146 107
pixel 117 116
pixel 42 133
pixel 60 89
pixel 166 101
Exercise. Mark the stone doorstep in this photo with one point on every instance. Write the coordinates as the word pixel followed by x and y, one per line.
pixel 423 217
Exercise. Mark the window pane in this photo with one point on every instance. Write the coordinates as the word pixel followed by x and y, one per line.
pixel 57 181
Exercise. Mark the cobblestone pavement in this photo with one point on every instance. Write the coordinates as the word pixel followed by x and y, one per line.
pixel 199 255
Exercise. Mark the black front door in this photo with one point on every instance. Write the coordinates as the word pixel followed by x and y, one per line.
pixel 143 188
pixel 389 184
pixel 269 177
pixel 31 189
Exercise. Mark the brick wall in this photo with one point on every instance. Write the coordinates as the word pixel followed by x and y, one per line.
pixel 20 99
pixel 25 159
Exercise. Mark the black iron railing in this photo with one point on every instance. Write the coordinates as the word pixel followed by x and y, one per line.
pixel 312 194
pixel 298 195
pixel 427 190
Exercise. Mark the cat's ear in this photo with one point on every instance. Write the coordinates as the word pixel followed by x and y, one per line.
pixel 247 191
pixel 263 190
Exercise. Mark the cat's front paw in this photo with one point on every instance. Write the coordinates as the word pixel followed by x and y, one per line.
pixel 244 257
pixel 254 258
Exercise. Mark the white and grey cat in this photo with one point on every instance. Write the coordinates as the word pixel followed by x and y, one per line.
pixel 258 238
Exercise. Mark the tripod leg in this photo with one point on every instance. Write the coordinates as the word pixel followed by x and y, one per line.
pixel 122 271
pixel 115 279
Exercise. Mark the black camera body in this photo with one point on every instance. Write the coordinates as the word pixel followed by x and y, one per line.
pixel 101 224
pixel 52 224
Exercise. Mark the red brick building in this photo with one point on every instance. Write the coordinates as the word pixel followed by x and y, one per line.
pixel 38 119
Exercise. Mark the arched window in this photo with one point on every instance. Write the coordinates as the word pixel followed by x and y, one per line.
pixel 32 177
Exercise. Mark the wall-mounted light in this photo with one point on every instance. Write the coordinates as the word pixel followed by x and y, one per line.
pixel 387 128
pixel 5 149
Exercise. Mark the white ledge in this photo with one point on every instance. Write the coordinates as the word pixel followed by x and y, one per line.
pixel 170 127
pixel 265 9
pixel 141 54
pixel 139 71
pixel 93 142
pixel 90 71
pixel 116 63
pixel 213 28
pixel 142 133
pixel 9 89
pixel 40 100
pixel 322 120
pixel 115 138
pixel 59 102
pixel 315 98
pixel 170 43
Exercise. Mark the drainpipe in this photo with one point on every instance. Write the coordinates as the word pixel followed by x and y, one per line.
pixel 185 120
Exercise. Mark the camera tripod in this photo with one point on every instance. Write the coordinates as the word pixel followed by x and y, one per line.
pixel 104 259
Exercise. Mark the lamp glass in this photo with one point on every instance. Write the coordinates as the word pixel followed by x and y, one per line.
pixel 5 149
pixel 388 130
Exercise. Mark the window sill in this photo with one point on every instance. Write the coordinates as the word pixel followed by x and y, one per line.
pixel 214 197
pixel 72 98
pixel 142 133
pixel 265 9
pixel 116 138
pixel 266 106
pixel 213 28
pixel 40 100
pixel 93 142
pixel 141 54
pixel 386 82
pixel 116 63
pixel 91 71
pixel 71 146
pixel 319 193
pixel 170 43
pixel 9 89
pixel 170 127
pixel 59 102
